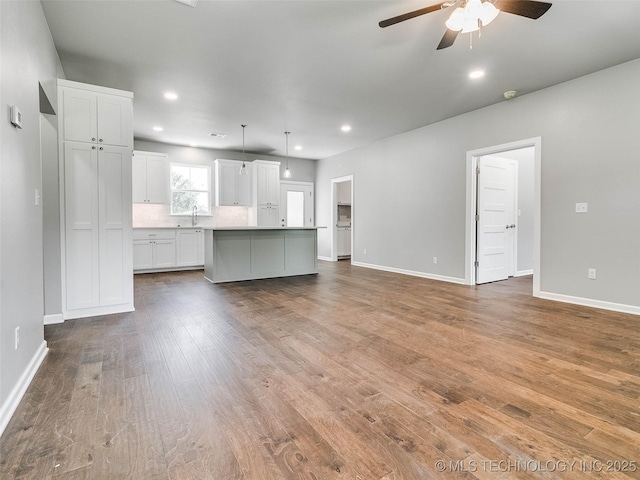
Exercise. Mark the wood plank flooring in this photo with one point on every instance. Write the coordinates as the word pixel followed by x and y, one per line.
pixel 350 374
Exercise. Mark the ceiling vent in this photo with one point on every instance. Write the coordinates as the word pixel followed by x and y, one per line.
pixel 217 135
pixel 191 3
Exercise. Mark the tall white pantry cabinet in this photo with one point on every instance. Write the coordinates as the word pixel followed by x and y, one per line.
pixel 96 144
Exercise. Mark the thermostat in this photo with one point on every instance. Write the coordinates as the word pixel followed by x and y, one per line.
pixel 16 116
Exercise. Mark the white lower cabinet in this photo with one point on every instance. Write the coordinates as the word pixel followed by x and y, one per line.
pixel 167 249
pixel 344 241
pixel 154 248
pixel 190 245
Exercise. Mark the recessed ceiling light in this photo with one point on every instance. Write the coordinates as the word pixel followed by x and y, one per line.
pixel 171 96
pixel 298 147
pixel 476 74
pixel 346 128
pixel 194 145
pixel 158 129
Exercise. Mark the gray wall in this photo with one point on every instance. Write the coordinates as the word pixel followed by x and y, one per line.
pixel 28 57
pixel 410 189
pixel 302 170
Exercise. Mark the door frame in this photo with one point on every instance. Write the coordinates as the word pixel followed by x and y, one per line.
pixel 470 230
pixel 334 215
pixel 303 184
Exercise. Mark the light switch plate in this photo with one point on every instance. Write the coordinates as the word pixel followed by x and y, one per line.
pixel 16 116
pixel 581 207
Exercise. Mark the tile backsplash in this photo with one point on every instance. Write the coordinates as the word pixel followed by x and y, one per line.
pixel 153 215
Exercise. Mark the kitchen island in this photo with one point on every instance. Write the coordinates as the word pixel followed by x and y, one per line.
pixel 233 254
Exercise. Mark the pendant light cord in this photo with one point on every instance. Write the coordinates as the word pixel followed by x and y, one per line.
pixel 244 155
pixel 287 148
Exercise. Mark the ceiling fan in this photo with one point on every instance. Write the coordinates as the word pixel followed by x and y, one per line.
pixel 470 15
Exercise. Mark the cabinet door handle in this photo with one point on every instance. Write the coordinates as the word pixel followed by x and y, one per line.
pixel 93 139
pixel 93 147
pixel 100 140
pixel 101 148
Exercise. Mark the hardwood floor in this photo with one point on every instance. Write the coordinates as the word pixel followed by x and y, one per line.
pixel 350 374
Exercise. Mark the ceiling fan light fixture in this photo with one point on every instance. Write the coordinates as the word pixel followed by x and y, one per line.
pixel 470 25
pixel 456 20
pixel 488 13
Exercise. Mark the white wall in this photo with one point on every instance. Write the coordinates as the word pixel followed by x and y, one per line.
pixel 28 58
pixel 410 189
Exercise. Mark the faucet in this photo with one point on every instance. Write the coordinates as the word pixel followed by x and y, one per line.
pixel 194 216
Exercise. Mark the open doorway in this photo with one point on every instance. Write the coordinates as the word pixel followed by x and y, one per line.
pixel 342 218
pixel 503 213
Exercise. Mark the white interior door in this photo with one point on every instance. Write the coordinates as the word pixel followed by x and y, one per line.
pixel 495 217
pixel 296 204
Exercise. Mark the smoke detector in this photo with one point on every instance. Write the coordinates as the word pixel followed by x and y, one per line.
pixel 217 135
pixel 510 94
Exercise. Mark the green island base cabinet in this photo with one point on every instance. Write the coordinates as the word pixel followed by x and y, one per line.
pixel 167 249
pixel 248 253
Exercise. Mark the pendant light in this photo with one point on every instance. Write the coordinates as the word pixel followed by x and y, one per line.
pixel 243 168
pixel 287 172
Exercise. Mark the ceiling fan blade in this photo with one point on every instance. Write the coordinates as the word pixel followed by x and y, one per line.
pixel 410 15
pixel 524 8
pixel 448 39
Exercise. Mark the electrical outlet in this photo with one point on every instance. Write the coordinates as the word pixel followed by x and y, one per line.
pixel 17 338
pixel 582 207
pixel 435 260
pixel 591 274
pixel 364 252
pixel 37 198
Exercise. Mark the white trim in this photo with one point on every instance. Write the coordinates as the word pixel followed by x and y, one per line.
pixel 97 311
pixel 53 319
pixel 522 273
pixel 94 88
pixel 470 233
pixel 430 276
pixel 326 259
pixel 13 400
pixel 589 302
pixel 152 154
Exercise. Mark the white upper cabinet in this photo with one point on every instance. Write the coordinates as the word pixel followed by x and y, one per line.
pixel 232 189
pixel 150 177
pixel 267 176
pixel 266 189
pixel 96 117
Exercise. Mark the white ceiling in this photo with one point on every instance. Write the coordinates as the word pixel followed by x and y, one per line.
pixel 309 66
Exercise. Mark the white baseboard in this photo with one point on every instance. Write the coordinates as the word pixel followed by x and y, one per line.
pixel 53 319
pixel 96 311
pixel 589 302
pixel 522 273
pixel 326 259
pixel 430 276
pixel 13 400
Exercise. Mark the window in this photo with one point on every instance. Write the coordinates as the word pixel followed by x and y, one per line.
pixel 190 186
